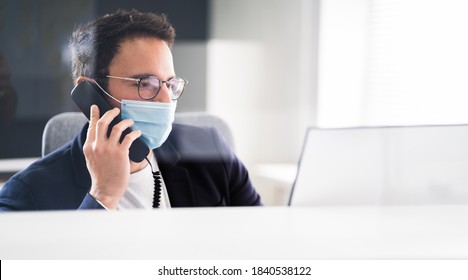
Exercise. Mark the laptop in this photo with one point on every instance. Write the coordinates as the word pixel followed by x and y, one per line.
pixel 383 165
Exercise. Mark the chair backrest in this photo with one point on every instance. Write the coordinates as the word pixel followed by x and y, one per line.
pixel 60 129
pixel 205 119
pixel 63 127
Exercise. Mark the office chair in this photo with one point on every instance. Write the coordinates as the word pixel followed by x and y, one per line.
pixel 63 127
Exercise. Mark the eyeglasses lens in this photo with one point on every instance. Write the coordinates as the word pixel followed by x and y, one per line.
pixel 149 87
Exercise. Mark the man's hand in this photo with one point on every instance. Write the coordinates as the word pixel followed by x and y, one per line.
pixel 106 158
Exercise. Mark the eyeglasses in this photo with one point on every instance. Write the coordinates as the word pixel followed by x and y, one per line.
pixel 149 87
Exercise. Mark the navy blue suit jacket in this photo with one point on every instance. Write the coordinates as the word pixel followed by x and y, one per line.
pixel 197 165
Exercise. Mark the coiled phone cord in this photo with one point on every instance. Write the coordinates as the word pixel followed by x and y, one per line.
pixel 157 185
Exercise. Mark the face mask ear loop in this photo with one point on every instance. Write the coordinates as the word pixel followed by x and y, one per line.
pixel 99 86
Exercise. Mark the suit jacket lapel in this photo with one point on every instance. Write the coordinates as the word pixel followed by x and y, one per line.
pixel 176 178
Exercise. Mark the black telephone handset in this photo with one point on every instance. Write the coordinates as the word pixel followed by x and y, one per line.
pixel 85 94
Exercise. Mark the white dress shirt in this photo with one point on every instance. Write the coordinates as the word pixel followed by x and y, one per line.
pixel 140 191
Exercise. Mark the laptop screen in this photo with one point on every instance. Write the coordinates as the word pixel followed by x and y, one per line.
pixel 383 165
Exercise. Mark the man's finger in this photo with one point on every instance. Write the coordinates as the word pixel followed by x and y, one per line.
pixel 102 125
pixel 118 129
pixel 93 118
pixel 129 138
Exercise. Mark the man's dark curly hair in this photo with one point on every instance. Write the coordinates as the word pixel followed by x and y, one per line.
pixel 94 45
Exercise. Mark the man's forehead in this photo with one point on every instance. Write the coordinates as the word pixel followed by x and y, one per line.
pixel 143 56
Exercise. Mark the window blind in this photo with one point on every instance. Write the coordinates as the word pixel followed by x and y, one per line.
pixel 413 62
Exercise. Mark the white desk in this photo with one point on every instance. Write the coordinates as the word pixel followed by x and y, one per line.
pixel 420 232
pixel 14 165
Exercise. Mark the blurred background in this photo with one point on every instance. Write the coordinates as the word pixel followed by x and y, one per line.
pixel 269 68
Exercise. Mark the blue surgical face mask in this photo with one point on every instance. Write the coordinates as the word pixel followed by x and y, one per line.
pixel 154 119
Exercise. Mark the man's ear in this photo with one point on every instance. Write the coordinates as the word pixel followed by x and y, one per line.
pixel 82 78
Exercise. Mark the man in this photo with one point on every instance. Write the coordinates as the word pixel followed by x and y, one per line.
pixel 128 56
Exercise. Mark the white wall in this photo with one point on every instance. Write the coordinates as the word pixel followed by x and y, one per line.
pixel 190 64
pixel 262 74
pixel 342 54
